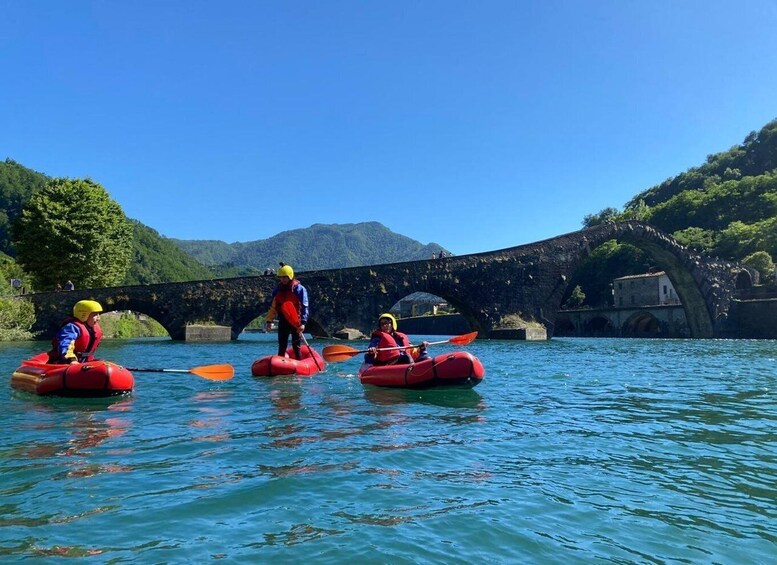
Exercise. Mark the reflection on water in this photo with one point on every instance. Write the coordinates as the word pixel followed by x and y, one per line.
pixel 445 397
pixel 213 412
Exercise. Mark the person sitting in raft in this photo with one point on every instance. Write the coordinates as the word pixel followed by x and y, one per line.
pixel 387 336
pixel 79 335
pixel 288 289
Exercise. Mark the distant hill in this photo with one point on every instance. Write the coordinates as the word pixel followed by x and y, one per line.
pixel 321 246
pixel 157 259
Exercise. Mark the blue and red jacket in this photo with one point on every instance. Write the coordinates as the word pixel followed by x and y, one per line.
pixel 76 340
pixel 294 293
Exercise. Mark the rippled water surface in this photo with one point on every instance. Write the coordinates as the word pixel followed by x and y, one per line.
pixel 573 450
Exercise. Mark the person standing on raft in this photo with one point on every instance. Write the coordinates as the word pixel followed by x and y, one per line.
pixel 291 290
pixel 79 335
pixel 387 336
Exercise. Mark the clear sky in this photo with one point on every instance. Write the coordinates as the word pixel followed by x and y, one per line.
pixel 477 125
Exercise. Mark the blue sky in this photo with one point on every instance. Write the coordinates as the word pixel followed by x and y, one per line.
pixel 475 125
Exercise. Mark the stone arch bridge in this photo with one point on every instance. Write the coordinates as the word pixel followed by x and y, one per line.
pixel 509 293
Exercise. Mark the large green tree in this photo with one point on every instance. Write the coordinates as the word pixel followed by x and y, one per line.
pixel 72 230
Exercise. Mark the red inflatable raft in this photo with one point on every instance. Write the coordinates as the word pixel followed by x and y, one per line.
pixel 274 365
pixel 450 369
pixel 91 379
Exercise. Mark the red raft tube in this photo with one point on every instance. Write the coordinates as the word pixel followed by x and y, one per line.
pixel 90 379
pixel 275 365
pixel 459 369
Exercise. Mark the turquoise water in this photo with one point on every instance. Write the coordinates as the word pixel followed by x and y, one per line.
pixel 573 450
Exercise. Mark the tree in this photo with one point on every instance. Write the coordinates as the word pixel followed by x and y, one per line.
pixel 762 262
pixel 17 185
pixel 639 211
pixel 602 217
pixel 72 230
pixel 697 239
pixel 576 298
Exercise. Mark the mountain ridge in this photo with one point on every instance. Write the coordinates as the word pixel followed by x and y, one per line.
pixel 320 246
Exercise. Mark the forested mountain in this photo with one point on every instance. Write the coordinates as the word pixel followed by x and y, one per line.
pixel 726 207
pixel 157 259
pixel 321 246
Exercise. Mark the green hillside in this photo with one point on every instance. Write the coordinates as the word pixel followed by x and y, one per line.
pixel 726 207
pixel 157 259
pixel 321 246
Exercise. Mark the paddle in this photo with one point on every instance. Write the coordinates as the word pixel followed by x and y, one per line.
pixel 335 353
pixel 210 372
pixel 290 313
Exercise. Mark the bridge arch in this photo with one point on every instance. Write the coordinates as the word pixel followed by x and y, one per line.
pixel 704 285
pixel 495 291
pixel 600 326
pixel 744 280
pixel 564 327
pixel 642 324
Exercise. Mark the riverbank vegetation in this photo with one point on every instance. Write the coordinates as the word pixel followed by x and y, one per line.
pixel 129 324
pixel 16 315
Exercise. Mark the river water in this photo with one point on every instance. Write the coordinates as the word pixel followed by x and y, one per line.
pixel 573 450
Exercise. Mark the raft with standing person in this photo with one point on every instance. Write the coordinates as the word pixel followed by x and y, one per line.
pixel 290 305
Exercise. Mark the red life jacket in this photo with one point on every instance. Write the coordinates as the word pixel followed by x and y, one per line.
pixel 389 340
pixel 287 294
pixel 85 344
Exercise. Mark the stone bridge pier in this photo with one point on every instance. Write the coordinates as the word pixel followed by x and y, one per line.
pixel 509 293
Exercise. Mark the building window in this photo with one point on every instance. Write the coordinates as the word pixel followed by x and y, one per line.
pixel 664 289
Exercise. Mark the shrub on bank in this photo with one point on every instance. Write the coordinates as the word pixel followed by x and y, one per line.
pixel 126 325
pixel 16 319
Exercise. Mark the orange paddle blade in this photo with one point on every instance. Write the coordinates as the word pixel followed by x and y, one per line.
pixel 336 353
pixel 214 372
pixel 463 339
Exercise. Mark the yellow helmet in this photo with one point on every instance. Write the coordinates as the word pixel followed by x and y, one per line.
pixel 83 308
pixel 286 271
pixel 390 317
